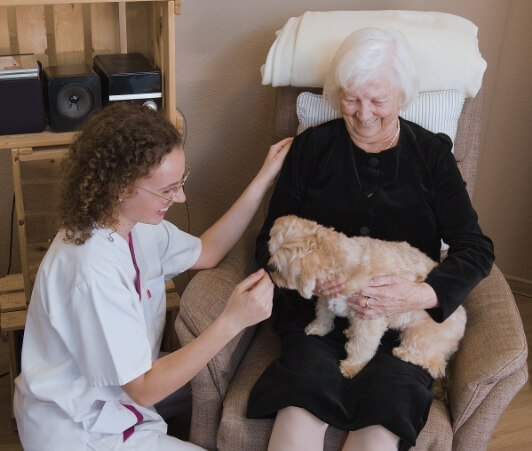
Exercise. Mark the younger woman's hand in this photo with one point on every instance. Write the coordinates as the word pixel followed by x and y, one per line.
pixel 274 161
pixel 250 302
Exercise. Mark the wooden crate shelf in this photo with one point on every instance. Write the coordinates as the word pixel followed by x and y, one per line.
pixel 61 33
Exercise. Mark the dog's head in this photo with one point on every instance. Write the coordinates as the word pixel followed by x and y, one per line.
pixel 295 262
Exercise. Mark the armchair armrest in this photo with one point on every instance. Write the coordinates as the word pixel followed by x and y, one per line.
pixel 490 366
pixel 202 301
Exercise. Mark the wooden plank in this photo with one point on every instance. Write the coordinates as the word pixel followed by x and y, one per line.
pixel 87 34
pixel 169 286
pixel 12 30
pixel 46 138
pixel 4 33
pixel 122 26
pixel 43 154
pixel 11 283
pixel 167 38
pixel 11 321
pixel 19 206
pixel 105 29
pixel 49 22
pixel 11 302
pixel 140 17
pixel 65 2
pixel 172 301
pixel 31 26
pixel 69 34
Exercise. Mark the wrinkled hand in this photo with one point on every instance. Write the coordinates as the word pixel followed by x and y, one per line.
pixel 250 302
pixel 329 288
pixel 274 161
pixel 386 295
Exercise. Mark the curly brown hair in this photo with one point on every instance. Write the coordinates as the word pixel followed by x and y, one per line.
pixel 116 147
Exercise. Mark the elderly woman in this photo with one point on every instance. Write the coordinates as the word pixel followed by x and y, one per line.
pixel 369 173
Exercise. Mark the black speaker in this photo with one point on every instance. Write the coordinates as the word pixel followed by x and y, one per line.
pixel 73 94
pixel 21 99
pixel 21 106
pixel 129 77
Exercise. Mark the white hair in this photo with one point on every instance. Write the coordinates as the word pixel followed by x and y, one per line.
pixel 369 54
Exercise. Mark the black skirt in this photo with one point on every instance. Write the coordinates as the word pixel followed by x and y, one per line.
pixel 387 392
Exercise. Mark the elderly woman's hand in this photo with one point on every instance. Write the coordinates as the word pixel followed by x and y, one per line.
pixel 273 162
pixel 386 295
pixel 329 288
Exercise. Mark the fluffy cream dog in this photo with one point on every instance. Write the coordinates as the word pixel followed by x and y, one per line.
pixel 302 251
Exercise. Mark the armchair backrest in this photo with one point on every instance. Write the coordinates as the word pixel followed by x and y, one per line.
pixel 466 144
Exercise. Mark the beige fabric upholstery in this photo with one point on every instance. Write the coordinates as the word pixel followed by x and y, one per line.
pixel 485 374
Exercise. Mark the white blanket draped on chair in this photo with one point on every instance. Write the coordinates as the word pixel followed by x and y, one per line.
pixel 444 46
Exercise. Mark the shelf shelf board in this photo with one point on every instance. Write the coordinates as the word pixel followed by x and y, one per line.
pixel 43 139
pixel 59 2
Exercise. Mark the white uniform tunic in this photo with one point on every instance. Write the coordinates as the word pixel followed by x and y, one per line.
pixel 88 332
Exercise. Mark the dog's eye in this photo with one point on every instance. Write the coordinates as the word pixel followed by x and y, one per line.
pixel 271 268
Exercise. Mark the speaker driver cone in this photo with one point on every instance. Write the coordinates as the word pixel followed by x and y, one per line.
pixel 74 101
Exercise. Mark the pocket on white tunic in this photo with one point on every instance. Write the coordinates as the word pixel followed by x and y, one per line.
pixel 113 418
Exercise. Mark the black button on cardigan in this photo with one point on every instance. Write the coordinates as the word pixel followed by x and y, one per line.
pixel 373 162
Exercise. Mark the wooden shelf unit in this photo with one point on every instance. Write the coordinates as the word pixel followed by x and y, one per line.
pixel 60 33
pixel 35 181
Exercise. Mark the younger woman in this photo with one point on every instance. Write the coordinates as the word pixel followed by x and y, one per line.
pixel 90 369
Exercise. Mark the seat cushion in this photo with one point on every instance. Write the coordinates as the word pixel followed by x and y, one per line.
pixel 238 432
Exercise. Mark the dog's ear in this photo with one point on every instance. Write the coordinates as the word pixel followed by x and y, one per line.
pixel 282 229
pixel 309 273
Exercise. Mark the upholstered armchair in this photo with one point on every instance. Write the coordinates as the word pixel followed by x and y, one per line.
pixel 483 376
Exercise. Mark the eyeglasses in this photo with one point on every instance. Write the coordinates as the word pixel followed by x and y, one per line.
pixel 172 191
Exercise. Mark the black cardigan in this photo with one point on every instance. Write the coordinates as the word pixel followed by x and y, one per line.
pixel 413 192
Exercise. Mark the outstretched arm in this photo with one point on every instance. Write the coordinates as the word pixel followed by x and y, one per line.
pixel 250 303
pixel 219 239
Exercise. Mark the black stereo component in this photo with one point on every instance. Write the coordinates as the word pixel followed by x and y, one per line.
pixel 21 98
pixel 129 77
pixel 73 94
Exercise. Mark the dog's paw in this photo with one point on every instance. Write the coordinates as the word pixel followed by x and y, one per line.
pixel 440 388
pixel 348 333
pixel 435 365
pixel 349 369
pixel 317 328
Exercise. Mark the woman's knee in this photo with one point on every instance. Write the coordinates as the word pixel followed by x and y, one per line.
pixel 297 429
pixel 371 438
